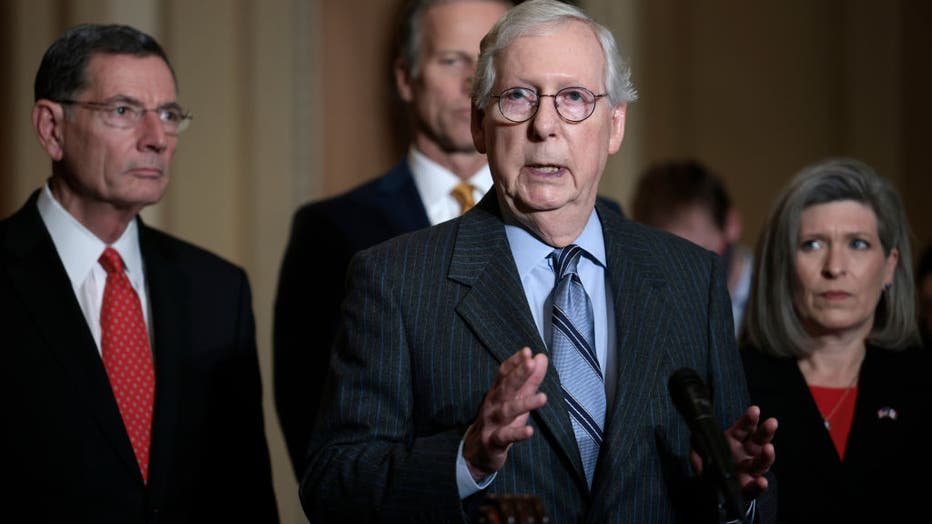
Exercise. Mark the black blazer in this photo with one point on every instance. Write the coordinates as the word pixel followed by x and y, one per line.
pixel 883 476
pixel 430 316
pixel 65 452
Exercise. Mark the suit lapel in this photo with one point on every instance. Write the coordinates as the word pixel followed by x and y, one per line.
pixel 496 309
pixel 638 301
pixel 400 200
pixel 169 292
pixel 42 285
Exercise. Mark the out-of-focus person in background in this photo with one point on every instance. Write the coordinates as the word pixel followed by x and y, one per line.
pixel 440 389
pixel 828 348
pixel 130 382
pixel 924 292
pixel 689 200
pixel 437 51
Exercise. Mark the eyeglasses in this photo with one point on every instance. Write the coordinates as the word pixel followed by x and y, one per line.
pixel 573 104
pixel 127 115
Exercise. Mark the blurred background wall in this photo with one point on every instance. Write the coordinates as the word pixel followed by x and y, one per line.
pixel 292 103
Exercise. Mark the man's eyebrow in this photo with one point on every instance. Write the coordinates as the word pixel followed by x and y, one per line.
pixel 122 99
pixel 126 99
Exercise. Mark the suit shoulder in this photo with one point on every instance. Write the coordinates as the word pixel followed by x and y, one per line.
pixel 363 194
pixel 911 364
pixel 187 254
pixel 611 204
pixel 667 247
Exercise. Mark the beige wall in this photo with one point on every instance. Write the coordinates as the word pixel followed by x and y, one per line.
pixel 290 104
pixel 759 89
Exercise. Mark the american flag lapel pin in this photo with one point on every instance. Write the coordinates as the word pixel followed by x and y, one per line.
pixel 886 412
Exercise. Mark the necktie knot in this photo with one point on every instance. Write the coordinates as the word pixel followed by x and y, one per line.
pixel 463 194
pixel 565 261
pixel 111 261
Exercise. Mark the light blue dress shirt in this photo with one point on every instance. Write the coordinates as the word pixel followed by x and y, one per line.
pixel 535 267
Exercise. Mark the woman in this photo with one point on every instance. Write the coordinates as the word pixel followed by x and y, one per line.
pixel 828 348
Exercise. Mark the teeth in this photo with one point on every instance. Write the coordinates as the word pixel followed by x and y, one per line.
pixel 547 169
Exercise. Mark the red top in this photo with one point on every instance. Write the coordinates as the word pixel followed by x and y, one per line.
pixel 837 408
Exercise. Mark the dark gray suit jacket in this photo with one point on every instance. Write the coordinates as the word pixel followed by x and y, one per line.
pixel 64 452
pixel 430 316
pixel 324 236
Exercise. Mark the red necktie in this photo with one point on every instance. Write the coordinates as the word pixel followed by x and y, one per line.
pixel 124 344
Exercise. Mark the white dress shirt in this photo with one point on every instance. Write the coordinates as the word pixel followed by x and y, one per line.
pixel 435 183
pixel 79 250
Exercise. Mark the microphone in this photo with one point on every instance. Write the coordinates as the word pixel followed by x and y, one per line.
pixel 691 398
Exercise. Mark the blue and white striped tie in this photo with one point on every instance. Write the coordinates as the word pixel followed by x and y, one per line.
pixel 574 357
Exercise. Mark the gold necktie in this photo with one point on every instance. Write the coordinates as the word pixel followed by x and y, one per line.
pixel 463 194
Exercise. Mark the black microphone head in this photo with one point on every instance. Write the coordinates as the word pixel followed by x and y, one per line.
pixel 692 399
pixel 690 394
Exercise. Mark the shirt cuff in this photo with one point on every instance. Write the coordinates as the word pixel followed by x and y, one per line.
pixel 748 515
pixel 464 481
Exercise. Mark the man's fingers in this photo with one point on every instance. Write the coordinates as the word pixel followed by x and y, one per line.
pixel 513 373
pixel 505 436
pixel 522 405
pixel 765 432
pixel 519 376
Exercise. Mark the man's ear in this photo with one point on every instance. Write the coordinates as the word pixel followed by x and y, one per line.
pixel 47 120
pixel 733 226
pixel 478 129
pixel 618 128
pixel 403 81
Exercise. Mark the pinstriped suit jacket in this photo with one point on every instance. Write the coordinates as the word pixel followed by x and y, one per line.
pixel 427 321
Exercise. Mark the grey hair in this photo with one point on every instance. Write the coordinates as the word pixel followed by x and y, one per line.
pixel 771 324
pixel 411 34
pixel 535 17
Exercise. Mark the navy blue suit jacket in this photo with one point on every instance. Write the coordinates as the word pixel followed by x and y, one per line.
pixel 66 456
pixel 430 316
pixel 324 235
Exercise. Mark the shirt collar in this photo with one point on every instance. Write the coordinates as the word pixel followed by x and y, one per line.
pixel 434 182
pixel 528 250
pixel 78 248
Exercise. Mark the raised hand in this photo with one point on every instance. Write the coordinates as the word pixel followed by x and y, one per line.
pixel 750 443
pixel 502 418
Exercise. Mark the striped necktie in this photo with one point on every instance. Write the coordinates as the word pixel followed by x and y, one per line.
pixel 574 357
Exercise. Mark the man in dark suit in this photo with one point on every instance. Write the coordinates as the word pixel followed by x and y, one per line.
pixel 166 425
pixel 441 388
pixel 437 51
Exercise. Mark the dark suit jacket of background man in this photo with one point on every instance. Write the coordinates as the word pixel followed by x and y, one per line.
pixel 430 317
pixel 66 454
pixel 311 286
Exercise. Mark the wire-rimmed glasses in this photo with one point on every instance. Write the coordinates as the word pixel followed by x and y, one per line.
pixel 573 104
pixel 125 114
